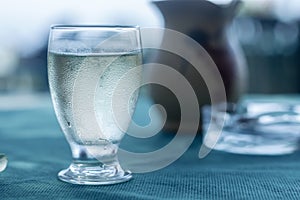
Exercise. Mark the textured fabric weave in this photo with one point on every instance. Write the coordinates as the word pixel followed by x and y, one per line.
pixel 37 150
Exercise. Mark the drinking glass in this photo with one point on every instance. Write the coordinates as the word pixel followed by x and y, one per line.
pixel 254 126
pixel 85 67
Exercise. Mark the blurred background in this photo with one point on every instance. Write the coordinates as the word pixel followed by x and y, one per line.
pixel 25 27
pixel 268 31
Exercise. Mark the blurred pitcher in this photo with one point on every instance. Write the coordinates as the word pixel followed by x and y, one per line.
pixel 208 24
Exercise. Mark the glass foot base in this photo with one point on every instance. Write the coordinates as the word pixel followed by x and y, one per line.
pixel 92 174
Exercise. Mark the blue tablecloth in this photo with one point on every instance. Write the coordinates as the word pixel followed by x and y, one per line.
pixel 36 149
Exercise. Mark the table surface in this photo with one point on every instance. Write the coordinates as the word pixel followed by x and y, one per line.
pixel 37 150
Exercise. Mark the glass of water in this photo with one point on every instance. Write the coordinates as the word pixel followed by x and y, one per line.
pixel 94 75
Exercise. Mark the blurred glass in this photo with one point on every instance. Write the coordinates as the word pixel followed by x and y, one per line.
pixel 257 125
pixel 3 162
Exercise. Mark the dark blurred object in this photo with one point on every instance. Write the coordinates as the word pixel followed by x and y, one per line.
pixel 36 67
pixel 207 23
pixel 272 49
pixel 24 73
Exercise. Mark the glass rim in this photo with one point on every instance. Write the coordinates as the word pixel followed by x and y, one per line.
pixel 85 26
